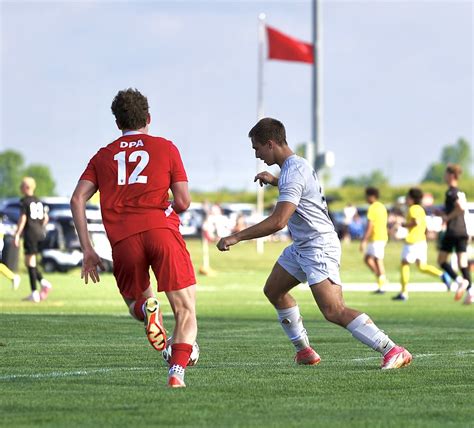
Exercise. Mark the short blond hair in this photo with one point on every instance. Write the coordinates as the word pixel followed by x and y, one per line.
pixel 30 182
pixel 454 169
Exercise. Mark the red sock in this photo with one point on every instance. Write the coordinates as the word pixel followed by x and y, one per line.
pixel 180 353
pixel 138 309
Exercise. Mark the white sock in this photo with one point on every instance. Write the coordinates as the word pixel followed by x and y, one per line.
pixel 176 370
pixel 292 323
pixel 364 330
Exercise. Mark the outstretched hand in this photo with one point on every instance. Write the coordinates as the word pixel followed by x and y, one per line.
pixel 90 262
pixel 265 178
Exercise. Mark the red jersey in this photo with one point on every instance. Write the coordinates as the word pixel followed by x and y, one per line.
pixel 134 174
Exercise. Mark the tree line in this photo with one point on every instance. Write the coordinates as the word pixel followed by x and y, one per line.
pixel 13 168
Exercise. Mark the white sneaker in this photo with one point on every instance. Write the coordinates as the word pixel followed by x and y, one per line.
pixel 16 282
pixel 33 297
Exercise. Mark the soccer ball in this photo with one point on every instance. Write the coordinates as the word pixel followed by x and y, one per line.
pixel 193 358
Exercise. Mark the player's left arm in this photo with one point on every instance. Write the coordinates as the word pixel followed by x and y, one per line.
pixel 91 260
pixel 45 218
pixel 275 222
pixel 368 232
pixel 181 196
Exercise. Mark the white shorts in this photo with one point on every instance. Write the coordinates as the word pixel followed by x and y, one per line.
pixel 312 266
pixel 376 249
pixel 417 251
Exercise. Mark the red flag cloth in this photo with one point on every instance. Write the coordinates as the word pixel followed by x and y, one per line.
pixel 281 46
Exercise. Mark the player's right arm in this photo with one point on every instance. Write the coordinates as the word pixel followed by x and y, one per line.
pixel 19 228
pixel 275 222
pixel 83 192
pixel 368 233
pixel 266 178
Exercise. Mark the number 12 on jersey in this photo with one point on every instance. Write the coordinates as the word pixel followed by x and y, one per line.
pixel 135 177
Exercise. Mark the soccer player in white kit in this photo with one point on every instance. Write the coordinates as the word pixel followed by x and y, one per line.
pixel 314 255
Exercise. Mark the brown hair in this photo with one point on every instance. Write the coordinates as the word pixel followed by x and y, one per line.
pixel 454 169
pixel 269 129
pixel 416 194
pixel 372 191
pixel 130 109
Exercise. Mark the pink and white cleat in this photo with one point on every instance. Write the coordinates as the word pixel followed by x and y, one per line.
pixel 176 382
pixel 469 300
pixel 44 292
pixel 308 357
pixel 396 358
pixel 462 287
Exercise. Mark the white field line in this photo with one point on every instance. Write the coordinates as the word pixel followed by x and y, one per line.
pixel 417 356
pixel 92 372
pixel 71 373
pixel 346 286
pixel 391 287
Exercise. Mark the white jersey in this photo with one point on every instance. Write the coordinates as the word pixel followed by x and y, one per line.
pixel 310 225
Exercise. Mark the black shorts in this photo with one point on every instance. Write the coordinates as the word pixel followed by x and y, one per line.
pixel 450 243
pixel 31 245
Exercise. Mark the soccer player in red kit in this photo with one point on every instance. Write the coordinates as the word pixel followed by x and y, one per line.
pixel 134 174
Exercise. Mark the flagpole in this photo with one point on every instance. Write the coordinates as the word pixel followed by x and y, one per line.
pixel 260 115
pixel 316 111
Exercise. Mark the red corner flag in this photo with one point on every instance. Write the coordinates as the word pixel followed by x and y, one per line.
pixel 281 46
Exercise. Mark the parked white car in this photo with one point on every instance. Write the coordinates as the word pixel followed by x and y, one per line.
pixel 469 217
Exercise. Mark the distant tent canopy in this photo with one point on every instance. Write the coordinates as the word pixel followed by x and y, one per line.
pixel 287 48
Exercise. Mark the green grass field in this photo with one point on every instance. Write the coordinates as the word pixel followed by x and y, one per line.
pixel 78 359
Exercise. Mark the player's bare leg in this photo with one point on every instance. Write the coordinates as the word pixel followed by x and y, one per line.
pixel 328 297
pixel 147 309
pixel 372 265
pixel 377 267
pixel 183 304
pixel 276 289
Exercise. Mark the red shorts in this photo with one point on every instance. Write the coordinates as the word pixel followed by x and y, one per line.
pixel 164 250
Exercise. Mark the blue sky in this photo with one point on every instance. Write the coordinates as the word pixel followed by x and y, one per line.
pixel 398 81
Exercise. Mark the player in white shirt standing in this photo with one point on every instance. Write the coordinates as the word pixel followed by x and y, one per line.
pixel 314 255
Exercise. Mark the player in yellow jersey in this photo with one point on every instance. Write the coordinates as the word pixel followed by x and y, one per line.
pixel 375 237
pixel 4 270
pixel 416 247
